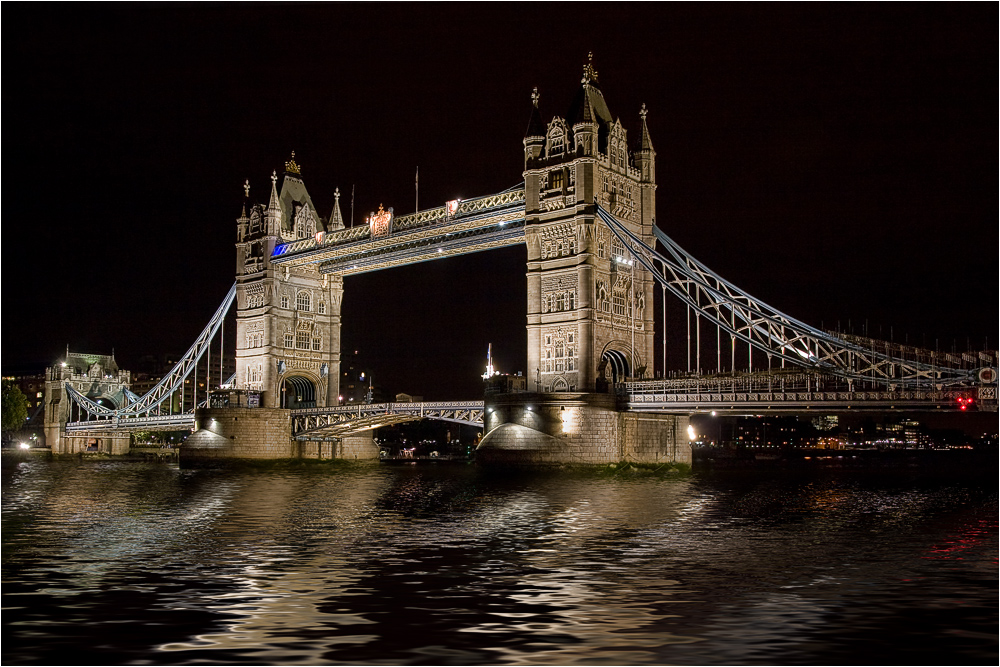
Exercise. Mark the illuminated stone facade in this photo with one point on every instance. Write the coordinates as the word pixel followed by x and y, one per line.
pixel 590 316
pixel 97 377
pixel 288 318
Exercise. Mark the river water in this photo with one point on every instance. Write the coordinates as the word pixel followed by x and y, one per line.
pixel 113 562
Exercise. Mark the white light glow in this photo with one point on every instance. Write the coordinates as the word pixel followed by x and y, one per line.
pixel 24 445
pixel 691 434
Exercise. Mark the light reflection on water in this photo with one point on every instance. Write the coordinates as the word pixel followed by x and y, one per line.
pixel 123 562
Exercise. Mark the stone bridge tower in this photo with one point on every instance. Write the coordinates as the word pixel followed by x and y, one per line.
pixel 97 377
pixel 288 319
pixel 590 309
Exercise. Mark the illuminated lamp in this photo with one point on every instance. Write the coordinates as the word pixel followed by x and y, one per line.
pixel 320 236
pixel 691 434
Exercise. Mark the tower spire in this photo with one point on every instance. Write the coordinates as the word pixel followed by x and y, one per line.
pixel 272 216
pixel 589 73
pixel 246 195
pixel 645 143
pixel 336 219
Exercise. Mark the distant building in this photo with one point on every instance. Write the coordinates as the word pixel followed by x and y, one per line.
pixel 408 398
pixel 356 384
pixel 826 422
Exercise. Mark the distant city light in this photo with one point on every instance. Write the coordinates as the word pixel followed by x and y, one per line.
pixel 24 445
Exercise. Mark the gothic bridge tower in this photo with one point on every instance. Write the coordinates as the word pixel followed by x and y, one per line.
pixel 288 319
pixel 590 309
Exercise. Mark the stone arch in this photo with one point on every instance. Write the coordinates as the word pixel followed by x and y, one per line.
pixel 560 384
pixel 617 356
pixel 298 391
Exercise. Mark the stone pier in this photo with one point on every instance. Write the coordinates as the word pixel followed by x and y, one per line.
pixel 262 434
pixel 582 428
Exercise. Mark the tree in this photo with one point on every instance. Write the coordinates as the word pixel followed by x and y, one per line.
pixel 15 408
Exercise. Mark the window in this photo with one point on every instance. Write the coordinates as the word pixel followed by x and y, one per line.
pixel 618 249
pixel 316 343
pixel 302 302
pixel 284 301
pixel 289 340
pixel 557 180
pixel 302 340
pixel 322 307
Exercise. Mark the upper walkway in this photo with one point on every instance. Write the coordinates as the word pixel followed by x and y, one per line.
pixel 457 228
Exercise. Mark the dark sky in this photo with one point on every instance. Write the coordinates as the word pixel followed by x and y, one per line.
pixel 838 162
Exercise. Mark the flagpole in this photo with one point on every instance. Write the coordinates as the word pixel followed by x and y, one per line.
pixel 416 185
pixel 352 205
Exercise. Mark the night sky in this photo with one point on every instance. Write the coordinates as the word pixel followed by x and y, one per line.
pixel 838 162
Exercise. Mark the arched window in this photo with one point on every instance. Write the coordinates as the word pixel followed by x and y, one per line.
pixel 284 301
pixel 302 301
pixel 322 307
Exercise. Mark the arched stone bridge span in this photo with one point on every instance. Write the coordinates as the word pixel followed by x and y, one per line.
pixel 339 421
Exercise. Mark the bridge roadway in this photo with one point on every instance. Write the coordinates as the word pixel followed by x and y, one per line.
pixel 748 393
pixel 791 391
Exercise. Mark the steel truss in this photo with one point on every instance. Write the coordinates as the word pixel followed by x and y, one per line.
pixel 473 225
pixel 778 336
pixel 170 383
pixel 339 421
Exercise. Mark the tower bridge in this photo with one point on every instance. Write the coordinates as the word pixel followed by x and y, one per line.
pixel 586 212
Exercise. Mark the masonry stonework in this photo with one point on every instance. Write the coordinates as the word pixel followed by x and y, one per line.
pixel 240 433
pixel 577 428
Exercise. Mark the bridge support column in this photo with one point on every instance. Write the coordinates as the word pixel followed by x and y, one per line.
pixel 583 428
pixel 240 433
pixel 359 447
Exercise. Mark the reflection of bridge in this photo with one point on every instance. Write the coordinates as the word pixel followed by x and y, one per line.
pixel 586 213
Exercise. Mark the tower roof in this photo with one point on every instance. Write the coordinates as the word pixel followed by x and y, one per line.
pixel 293 191
pixel 588 104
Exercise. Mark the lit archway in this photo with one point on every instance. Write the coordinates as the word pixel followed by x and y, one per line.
pixel 618 362
pixel 298 392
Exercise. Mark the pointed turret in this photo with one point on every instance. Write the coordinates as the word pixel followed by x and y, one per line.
pixel 534 138
pixel 272 217
pixel 243 220
pixel 644 154
pixel 536 128
pixel 336 219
